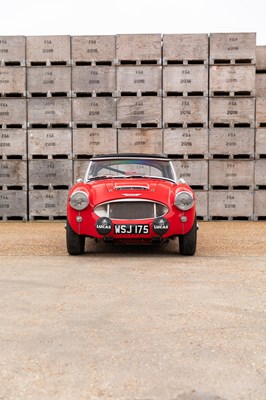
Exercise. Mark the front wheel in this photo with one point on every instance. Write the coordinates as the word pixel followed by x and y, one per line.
pixel 188 242
pixel 75 242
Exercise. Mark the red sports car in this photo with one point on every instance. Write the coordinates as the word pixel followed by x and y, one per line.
pixel 131 199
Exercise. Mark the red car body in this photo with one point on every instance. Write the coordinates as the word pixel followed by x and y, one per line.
pixel 131 208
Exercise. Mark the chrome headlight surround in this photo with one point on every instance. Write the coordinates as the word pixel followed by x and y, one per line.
pixel 79 200
pixel 184 200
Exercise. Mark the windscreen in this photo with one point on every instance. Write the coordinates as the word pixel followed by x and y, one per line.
pixel 130 168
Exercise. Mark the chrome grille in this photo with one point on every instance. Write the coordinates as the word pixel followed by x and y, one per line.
pixel 131 209
pixel 132 187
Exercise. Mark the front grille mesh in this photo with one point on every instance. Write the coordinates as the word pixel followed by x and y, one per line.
pixel 136 210
pixel 131 210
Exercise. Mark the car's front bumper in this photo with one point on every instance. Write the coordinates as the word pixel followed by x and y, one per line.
pixel 173 224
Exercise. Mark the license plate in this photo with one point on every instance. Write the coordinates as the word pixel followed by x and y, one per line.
pixel 128 229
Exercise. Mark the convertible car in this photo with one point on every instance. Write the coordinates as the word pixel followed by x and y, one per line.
pixel 131 199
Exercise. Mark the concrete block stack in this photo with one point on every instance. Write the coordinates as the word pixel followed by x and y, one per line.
pixel 197 98
pixel 231 125
pixel 260 136
pixel 139 88
pixel 185 110
pixel 13 124
pixel 93 99
pixel 49 122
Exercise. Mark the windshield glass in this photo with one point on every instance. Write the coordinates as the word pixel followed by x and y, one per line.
pixel 130 167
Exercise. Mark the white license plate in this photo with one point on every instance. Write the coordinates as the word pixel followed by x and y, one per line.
pixel 128 229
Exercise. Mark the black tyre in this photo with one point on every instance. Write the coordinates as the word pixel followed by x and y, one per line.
pixel 188 242
pixel 75 242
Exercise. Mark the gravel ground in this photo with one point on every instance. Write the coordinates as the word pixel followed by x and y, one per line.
pixel 214 239
pixel 133 323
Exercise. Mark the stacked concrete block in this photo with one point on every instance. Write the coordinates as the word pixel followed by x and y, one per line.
pixel 139 89
pixel 231 125
pixel 188 96
pixel 185 81
pixel 13 142
pixel 93 99
pixel 185 110
pixel 49 125
pixel 260 137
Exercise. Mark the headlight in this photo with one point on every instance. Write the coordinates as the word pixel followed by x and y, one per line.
pixel 184 201
pixel 79 200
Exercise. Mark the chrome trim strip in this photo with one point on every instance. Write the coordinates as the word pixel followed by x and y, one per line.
pixel 133 187
pixel 130 158
pixel 131 200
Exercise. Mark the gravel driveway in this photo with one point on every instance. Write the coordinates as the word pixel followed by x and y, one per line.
pixel 133 323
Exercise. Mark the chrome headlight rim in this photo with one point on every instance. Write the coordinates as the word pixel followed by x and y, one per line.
pixel 79 200
pixel 184 200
